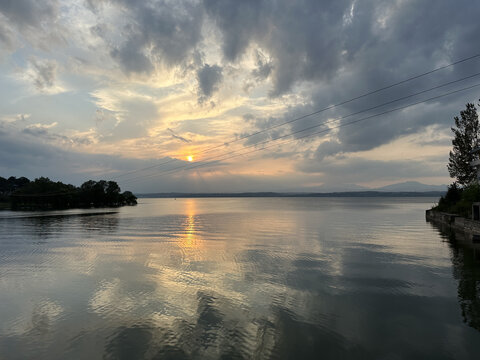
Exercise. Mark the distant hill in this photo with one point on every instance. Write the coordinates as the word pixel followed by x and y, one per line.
pixel 414 186
pixel 404 189
pixel 303 194
pixel 407 186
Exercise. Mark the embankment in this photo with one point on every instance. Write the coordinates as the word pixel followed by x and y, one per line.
pixel 470 227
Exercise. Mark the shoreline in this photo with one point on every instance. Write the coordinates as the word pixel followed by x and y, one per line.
pixel 280 194
pixel 454 222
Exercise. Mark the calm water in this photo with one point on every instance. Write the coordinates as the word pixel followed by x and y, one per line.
pixel 238 278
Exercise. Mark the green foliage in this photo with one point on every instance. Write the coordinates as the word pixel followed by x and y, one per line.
pixel 447 202
pixel 466 138
pixel 459 201
pixel 129 198
pixel 42 193
pixel 44 185
pixel 8 186
pixel 470 195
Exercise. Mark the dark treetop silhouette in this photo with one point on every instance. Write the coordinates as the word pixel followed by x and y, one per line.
pixel 42 193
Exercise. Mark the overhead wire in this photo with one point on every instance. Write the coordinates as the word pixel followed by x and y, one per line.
pixel 306 115
pixel 187 166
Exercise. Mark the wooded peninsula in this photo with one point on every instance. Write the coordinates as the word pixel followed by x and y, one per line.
pixel 45 194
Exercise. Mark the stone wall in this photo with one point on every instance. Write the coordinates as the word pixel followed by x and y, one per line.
pixel 468 226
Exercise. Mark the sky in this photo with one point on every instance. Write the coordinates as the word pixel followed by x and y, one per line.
pixel 131 91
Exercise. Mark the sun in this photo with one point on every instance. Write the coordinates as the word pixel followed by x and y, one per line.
pixel 190 158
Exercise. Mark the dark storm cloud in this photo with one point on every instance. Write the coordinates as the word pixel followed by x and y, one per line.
pixel 239 21
pixel 132 57
pixel 302 37
pixel 321 52
pixel 159 31
pixel 409 44
pixel 346 48
pixel 208 78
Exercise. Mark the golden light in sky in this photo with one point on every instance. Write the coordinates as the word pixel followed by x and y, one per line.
pixel 190 158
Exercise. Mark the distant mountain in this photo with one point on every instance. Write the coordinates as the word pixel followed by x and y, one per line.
pixel 302 194
pixel 412 186
pixel 408 188
pixel 330 188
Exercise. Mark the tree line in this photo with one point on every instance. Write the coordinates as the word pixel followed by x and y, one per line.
pixel 43 193
pixel 465 189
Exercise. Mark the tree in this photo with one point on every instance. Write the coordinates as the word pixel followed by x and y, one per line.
pixel 467 138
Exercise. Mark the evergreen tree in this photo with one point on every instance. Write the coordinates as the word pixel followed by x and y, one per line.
pixel 467 138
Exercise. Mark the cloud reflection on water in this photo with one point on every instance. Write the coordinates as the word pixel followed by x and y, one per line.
pixel 185 279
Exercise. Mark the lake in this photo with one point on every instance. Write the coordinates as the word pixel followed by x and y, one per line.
pixel 225 278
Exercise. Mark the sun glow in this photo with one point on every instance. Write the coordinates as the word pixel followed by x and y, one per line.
pixel 190 158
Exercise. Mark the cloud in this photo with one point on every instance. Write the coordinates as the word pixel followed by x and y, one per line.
pixel 44 73
pixel 21 156
pixel 132 57
pixel 291 57
pixel 157 32
pixel 7 37
pixel 261 124
pixel 35 21
pixel 124 113
pixel 377 131
pixel 361 170
pixel 264 66
pixel 303 38
pixel 178 137
pixel 311 40
pixel 28 13
pixel 39 129
pixel 34 152
pixel 208 79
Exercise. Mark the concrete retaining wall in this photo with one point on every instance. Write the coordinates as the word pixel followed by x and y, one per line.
pixel 468 226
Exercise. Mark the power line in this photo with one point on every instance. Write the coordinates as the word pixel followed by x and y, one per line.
pixel 320 124
pixel 316 133
pixel 308 115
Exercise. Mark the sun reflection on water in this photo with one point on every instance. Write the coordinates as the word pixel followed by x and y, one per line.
pixel 189 238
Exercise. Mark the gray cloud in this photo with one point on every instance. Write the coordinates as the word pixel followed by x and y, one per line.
pixel 132 55
pixel 42 133
pixel 305 41
pixel 159 31
pixel 7 38
pixel 20 156
pixel 239 22
pixel 45 73
pixel 322 52
pixel 36 21
pixel 351 171
pixel 313 40
pixel 381 130
pixel 303 37
pixel 264 67
pixel 28 13
pixel 260 124
pixel 208 78
pixel 178 137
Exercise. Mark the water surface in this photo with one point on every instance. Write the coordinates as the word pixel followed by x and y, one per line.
pixel 237 278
